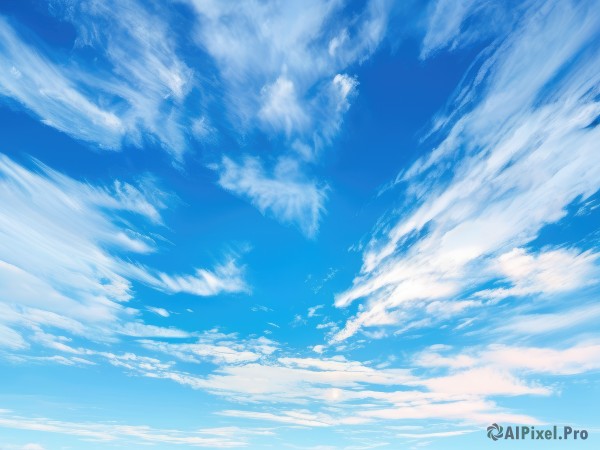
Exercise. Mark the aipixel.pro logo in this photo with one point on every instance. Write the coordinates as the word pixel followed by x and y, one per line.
pixel 498 432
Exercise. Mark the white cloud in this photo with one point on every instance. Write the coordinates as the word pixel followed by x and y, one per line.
pixel 471 411
pixel 312 311
pixel 326 325
pixel 138 81
pixel 439 434
pixel 334 391
pixel 32 447
pixel 285 194
pixel 577 359
pixel 524 152
pixel 159 311
pixel 338 94
pixel 216 347
pixel 283 71
pixel 279 380
pixel 10 339
pixel 224 278
pixel 531 324
pixel 288 194
pixel 39 85
pixel 287 77
pixel 118 433
pixel 456 23
pixel 304 44
pixel 261 308
pixel 140 329
pixel 61 257
pixel 280 106
pixel 137 43
pixel 296 417
pixel 434 359
pixel 544 272
pixel 573 360
pixel 483 381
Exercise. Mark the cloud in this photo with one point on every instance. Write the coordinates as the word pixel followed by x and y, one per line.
pixel 319 383
pixel 68 240
pixel 135 88
pixel 288 80
pixel 285 194
pixel 454 24
pixel 159 311
pixel 440 434
pixel 285 79
pixel 483 381
pixel 573 360
pixel 288 194
pixel 137 43
pixel 577 359
pixel 115 433
pixel 312 311
pixel 499 174
pixel 42 87
pixel 318 349
pixel 514 152
pixel 544 272
pixel 140 87
pixel 295 417
pixel 472 411
pixel 276 74
pixel 32 447
pixel 280 107
pixel 227 277
pixel 10 339
pixel 532 324
pixel 140 329
pixel 216 347
pixel 437 383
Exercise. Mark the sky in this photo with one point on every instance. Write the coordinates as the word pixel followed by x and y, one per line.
pixel 304 224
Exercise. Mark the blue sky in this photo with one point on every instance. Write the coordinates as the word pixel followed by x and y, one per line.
pixel 316 224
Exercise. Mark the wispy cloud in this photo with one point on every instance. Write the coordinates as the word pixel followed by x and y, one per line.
pixel 289 80
pixel 135 88
pixel 270 70
pixel 216 347
pixel 543 273
pixel 68 239
pixel 146 70
pixel 565 319
pixel 521 134
pixel 42 87
pixel 159 311
pixel 285 194
pixel 454 24
pixel 119 433
pixel 455 386
pixel 328 392
pixel 580 358
pixel 227 277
